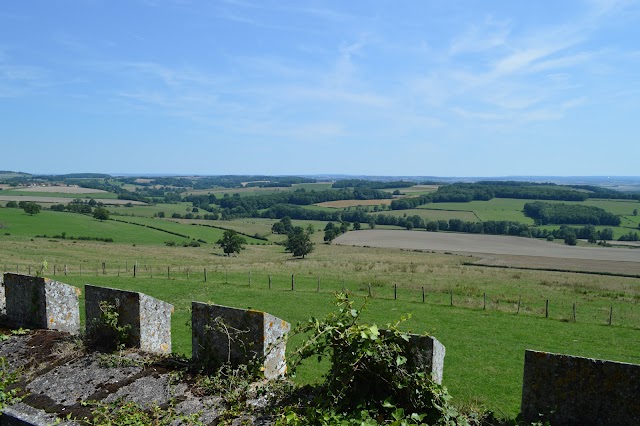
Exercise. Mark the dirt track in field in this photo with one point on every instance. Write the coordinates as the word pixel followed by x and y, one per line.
pixel 498 250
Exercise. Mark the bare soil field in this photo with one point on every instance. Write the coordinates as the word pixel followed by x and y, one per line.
pixel 498 250
pixel 62 200
pixel 63 190
pixel 420 188
pixel 352 203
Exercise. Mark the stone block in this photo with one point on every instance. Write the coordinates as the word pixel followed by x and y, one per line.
pixel 426 353
pixel 238 336
pixel 3 299
pixel 568 390
pixel 24 415
pixel 149 318
pixel 37 302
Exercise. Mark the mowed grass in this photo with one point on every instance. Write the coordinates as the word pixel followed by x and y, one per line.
pixel 17 223
pixel 202 231
pixel 154 209
pixel 429 215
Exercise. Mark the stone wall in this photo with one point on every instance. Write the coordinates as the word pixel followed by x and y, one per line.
pixel 237 336
pixel 568 390
pixel 3 300
pixel 149 319
pixel 37 302
pixel 426 353
pixel 220 334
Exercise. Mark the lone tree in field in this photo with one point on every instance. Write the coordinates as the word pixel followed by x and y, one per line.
pixel 31 208
pixel 101 214
pixel 231 242
pixel 299 242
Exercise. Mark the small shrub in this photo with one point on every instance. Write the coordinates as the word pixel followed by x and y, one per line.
pixel 7 378
pixel 370 379
pixel 106 335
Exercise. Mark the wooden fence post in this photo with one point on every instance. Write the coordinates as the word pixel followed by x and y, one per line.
pixel 422 294
pixel 546 309
pixel 292 282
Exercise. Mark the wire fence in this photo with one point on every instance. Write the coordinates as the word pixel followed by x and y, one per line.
pixel 605 311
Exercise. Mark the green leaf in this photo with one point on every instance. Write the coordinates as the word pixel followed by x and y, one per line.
pixel 387 403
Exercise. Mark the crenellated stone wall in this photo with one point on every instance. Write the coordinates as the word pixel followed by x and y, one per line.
pixel 37 302
pixel 237 336
pixel 149 319
pixel 220 334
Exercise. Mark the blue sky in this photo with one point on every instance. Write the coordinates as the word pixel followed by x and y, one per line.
pixel 439 88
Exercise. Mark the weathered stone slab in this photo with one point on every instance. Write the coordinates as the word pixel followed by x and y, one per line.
pixel 425 353
pixel 149 318
pixel 24 415
pixel 568 390
pixel 78 380
pixel 238 336
pixel 37 302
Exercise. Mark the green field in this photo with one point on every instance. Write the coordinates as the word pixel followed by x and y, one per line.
pixel 511 210
pixel 485 347
pixel 152 209
pixel 17 223
pixel 428 215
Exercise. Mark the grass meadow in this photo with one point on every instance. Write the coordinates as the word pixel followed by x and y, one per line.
pixel 484 332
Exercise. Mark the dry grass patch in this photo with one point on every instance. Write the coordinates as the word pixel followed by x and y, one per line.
pixel 63 189
pixel 340 204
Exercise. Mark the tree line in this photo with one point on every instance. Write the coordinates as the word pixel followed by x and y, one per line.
pixel 373 184
pixel 560 213
pixel 487 190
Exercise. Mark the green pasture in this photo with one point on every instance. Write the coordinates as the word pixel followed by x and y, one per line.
pixel 428 215
pixel 496 209
pixel 484 332
pixel 193 231
pixel 619 207
pixel 485 348
pixel 151 209
pixel 17 223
